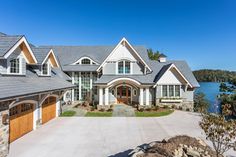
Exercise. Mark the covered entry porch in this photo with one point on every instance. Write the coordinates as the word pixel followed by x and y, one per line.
pixel 124 91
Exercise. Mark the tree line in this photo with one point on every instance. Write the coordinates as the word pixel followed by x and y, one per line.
pixel 207 75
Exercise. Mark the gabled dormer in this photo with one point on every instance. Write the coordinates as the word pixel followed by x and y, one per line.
pixel 46 60
pixel 15 53
pixel 124 60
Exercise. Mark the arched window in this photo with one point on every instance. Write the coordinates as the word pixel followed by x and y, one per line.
pixel 124 67
pixel 85 61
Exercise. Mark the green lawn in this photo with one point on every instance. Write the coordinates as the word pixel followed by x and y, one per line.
pixel 153 113
pixel 98 114
pixel 68 113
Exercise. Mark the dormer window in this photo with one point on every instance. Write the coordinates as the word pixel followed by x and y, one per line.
pixel 124 67
pixel 45 69
pixel 85 61
pixel 15 66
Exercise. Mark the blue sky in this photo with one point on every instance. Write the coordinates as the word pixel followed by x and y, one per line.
pixel 202 32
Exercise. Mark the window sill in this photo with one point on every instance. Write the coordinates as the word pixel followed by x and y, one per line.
pixel 171 100
pixel 14 74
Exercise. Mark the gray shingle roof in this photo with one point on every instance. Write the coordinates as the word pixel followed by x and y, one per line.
pixel 143 79
pixel 14 86
pixel 181 65
pixel 7 42
pixel 78 67
pixel 70 54
pixel 158 70
pixel 40 53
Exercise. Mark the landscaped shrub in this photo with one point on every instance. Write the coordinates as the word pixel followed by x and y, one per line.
pixel 141 109
pixel 102 110
pixel 173 106
pixel 165 106
pixel 110 110
pixel 180 108
pixel 92 108
pixel 148 109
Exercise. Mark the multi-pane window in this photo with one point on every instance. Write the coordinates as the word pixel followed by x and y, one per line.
pixel 45 69
pixel 170 90
pixel 164 91
pixel 85 85
pixel 124 67
pixel 127 67
pixel 121 67
pixel 76 89
pixel 177 90
pixel 94 87
pixel 15 65
pixel 85 61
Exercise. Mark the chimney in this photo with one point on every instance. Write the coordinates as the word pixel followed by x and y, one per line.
pixel 162 58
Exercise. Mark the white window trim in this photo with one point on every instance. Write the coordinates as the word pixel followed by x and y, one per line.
pixel 48 68
pixel 20 66
pixel 168 91
pixel 117 66
pixel 79 61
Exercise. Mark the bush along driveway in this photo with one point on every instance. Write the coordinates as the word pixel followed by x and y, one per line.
pixel 119 110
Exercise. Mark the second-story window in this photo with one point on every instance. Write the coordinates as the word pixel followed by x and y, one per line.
pixel 121 67
pixel 15 65
pixel 127 67
pixel 124 67
pixel 45 69
pixel 85 61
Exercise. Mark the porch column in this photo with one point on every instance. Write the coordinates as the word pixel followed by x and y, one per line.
pixel 80 94
pixel 141 96
pixel 106 95
pixel 147 96
pixel 100 96
pixel 73 91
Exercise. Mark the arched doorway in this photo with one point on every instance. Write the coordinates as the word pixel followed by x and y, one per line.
pixel 21 120
pixel 48 109
pixel 123 94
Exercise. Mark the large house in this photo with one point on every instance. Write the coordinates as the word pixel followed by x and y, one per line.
pixel 31 85
pixel 34 80
pixel 124 74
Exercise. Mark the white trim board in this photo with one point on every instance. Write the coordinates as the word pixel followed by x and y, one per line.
pixel 22 40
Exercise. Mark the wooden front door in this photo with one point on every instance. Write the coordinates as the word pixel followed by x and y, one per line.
pixel 123 94
pixel 48 109
pixel 21 120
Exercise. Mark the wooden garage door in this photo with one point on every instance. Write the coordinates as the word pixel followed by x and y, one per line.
pixel 49 109
pixel 21 120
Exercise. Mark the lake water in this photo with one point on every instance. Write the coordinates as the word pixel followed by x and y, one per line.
pixel 211 90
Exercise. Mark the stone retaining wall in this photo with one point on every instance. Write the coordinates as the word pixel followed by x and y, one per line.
pixel 4 135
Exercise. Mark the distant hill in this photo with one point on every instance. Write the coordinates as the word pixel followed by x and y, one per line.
pixel 208 75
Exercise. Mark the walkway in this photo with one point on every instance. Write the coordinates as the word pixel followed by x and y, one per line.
pixel 121 110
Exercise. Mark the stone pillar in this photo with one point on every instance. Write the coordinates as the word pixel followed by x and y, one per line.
pixel 100 96
pixel 106 96
pixel 141 96
pixel 58 108
pixel 4 133
pixel 147 96
pixel 35 116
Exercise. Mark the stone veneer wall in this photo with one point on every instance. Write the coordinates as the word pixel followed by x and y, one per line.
pixel 185 105
pixel 4 133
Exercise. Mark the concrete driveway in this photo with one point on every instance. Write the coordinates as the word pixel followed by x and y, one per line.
pixel 101 137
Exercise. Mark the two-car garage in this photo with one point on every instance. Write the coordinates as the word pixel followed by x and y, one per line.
pixel 22 117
